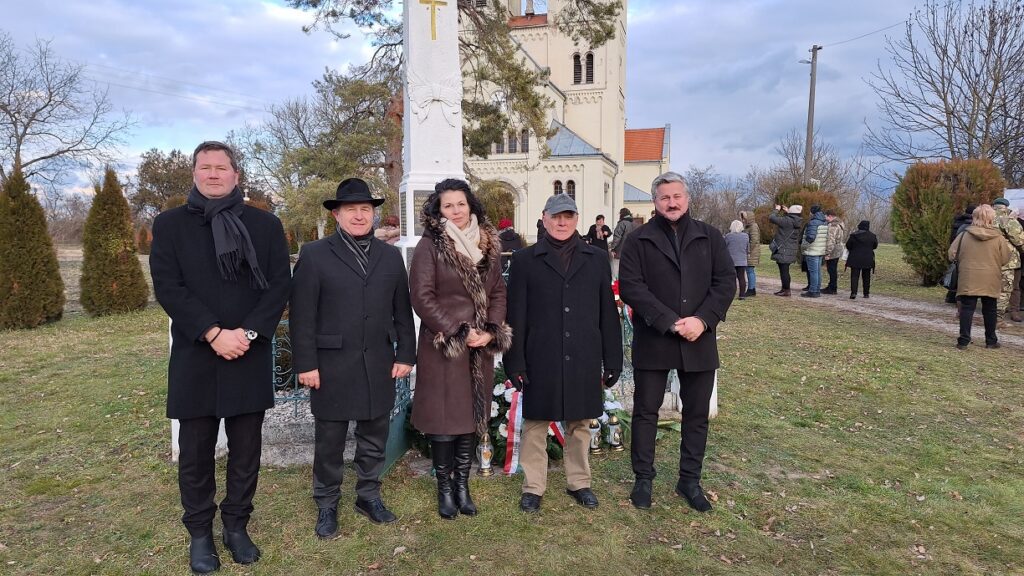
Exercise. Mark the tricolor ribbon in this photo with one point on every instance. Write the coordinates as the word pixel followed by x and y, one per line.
pixel 514 432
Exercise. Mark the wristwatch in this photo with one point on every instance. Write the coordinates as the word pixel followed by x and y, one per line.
pixel 251 335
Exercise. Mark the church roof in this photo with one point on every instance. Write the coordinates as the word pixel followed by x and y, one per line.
pixel 631 193
pixel 565 142
pixel 647 144
pixel 528 21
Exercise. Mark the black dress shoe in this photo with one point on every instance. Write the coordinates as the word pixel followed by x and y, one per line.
pixel 694 495
pixel 202 555
pixel 584 496
pixel 243 551
pixel 641 494
pixel 375 511
pixel 529 502
pixel 327 523
pixel 993 346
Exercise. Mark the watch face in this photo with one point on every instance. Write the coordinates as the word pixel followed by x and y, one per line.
pixel 251 334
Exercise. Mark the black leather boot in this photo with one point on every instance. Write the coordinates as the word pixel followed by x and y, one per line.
pixel 443 453
pixel 463 464
pixel 202 554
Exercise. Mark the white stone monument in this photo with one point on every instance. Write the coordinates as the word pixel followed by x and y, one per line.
pixel 432 123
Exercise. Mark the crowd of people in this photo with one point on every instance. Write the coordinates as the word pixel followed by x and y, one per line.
pixel 221 272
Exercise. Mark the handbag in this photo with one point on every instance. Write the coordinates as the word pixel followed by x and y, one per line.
pixel 952 275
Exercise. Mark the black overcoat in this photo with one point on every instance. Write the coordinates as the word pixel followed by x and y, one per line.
pixel 353 329
pixel 662 288
pixel 189 286
pixel 861 245
pixel 565 327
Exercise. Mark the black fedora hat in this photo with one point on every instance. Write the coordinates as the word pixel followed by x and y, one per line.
pixel 352 191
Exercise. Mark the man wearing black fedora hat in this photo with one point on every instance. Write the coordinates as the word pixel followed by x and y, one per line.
pixel 352 335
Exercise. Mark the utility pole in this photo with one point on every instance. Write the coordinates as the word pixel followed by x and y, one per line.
pixel 809 150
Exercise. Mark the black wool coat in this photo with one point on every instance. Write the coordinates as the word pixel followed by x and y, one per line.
pixel 861 245
pixel 350 328
pixel 662 288
pixel 565 328
pixel 189 286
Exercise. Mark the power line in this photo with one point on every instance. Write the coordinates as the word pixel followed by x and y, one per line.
pixel 900 23
pixel 181 96
pixel 176 81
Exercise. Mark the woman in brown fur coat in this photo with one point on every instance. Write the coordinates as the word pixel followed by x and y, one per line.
pixel 459 294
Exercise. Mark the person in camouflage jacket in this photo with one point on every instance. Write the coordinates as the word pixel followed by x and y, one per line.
pixel 1009 297
pixel 834 245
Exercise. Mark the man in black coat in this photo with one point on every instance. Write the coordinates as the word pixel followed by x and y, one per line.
pixel 352 335
pixel 220 271
pixel 566 341
pixel 677 276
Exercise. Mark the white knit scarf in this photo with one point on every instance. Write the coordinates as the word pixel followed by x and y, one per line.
pixel 467 242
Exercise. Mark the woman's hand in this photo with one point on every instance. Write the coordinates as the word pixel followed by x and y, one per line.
pixel 477 339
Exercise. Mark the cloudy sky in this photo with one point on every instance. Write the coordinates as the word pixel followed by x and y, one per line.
pixel 725 74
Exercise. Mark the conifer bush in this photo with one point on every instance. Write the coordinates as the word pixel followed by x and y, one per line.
pixel 927 198
pixel 31 290
pixel 805 196
pixel 112 280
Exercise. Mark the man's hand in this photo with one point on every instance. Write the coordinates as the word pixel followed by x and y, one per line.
pixel 689 328
pixel 477 339
pixel 229 344
pixel 519 380
pixel 312 379
pixel 400 370
pixel 610 378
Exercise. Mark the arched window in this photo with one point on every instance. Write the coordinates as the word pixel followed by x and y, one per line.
pixel 524 143
pixel 570 188
pixel 590 67
pixel 577 69
pixel 499 146
pixel 558 186
pixel 513 142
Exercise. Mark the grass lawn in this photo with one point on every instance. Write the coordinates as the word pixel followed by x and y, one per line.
pixel 892 277
pixel 845 445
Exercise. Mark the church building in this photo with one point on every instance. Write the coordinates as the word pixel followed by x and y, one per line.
pixel 593 156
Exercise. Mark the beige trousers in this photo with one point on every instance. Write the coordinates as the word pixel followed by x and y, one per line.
pixel 533 456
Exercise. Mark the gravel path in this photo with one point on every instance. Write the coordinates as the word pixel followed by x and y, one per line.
pixel 938 317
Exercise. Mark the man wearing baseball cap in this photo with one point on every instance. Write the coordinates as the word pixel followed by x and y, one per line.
pixel 352 335
pixel 566 343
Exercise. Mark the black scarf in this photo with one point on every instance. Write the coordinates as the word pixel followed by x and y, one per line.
pixel 231 239
pixel 564 249
pixel 358 245
pixel 674 230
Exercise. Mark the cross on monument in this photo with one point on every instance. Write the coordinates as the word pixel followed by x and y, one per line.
pixel 433 15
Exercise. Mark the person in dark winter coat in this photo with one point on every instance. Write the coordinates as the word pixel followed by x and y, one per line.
pixel 352 335
pixel 786 242
pixel 510 241
pixel 739 245
pixel 597 235
pixel 459 295
pixel 679 279
pixel 565 343
pixel 220 271
pixel 860 259
pixel 623 228
pixel 960 223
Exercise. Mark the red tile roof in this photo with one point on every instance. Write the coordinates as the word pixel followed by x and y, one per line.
pixel 645 144
pixel 528 21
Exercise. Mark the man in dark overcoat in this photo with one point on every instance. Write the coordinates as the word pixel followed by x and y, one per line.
pixel 352 335
pixel 677 276
pixel 566 341
pixel 220 271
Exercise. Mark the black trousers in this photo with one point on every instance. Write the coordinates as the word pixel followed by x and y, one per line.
pixel 968 304
pixel 695 391
pixel 329 458
pixel 833 274
pixel 784 275
pixel 741 278
pixel 860 274
pixel 197 439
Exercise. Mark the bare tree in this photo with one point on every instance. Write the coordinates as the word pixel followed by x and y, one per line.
pixel 52 118
pixel 955 85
